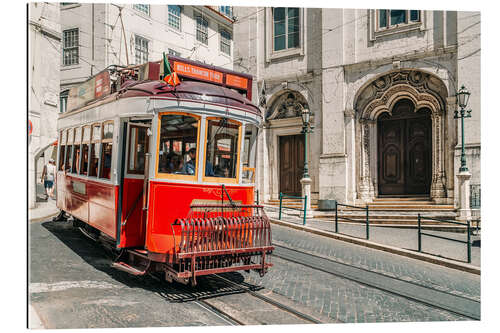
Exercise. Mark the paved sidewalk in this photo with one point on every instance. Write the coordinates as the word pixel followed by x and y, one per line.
pixel 402 241
pixel 43 210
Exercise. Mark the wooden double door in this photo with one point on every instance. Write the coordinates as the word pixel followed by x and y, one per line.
pixel 404 151
pixel 291 163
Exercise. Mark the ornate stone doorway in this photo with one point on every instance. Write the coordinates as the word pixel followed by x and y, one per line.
pixel 404 150
pixel 405 169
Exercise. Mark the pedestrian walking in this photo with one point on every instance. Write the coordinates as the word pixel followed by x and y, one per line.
pixel 48 176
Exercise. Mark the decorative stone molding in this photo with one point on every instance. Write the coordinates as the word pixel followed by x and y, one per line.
pixel 380 95
pixel 288 105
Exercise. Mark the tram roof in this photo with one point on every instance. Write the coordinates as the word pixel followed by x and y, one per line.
pixel 189 90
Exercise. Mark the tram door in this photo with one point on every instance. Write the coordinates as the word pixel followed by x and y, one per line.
pixel 133 216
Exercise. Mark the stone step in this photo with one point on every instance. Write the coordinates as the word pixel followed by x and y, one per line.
pixel 400 203
pixel 422 198
pixel 406 208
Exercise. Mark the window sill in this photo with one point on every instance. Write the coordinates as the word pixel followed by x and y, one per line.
pixel 286 53
pixel 143 15
pixel 70 67
pixel 400 28
pixel 175 31
pixel 64 7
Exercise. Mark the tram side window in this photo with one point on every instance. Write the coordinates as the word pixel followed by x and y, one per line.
pixel 69 150
pixel 95 151
pixel 107 150
pixel 138 146
pixel 178 144
pixel 62 149
pixel 222 148
pixel 85 150
pixel 249 154
pixel 77 151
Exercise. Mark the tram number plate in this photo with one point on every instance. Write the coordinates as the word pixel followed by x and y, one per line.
pixel 79 187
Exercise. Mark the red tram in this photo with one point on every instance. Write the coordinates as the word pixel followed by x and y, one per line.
pixel 165 174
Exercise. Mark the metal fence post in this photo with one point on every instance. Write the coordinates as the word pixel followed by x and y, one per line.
pixel 305 208
pixel 257 197
pixel 468 242
pixel 419 236
pixel 367 224
pixel 336 218
pixel 281 197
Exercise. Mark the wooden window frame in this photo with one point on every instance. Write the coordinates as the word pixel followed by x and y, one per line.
pixel 273 34
pixel 210 179
pixel 175 18
pixel 171 176
pixel 390 26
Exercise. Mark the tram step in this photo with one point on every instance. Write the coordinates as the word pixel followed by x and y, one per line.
pixel 127 268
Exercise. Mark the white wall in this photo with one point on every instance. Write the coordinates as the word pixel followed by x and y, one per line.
pixel 43 97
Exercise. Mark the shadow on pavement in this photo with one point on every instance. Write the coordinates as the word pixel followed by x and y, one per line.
pixel 101 259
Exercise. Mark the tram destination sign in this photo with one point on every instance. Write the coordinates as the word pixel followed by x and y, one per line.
pixel 197 72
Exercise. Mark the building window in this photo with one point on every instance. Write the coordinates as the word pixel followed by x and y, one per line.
pixel 226 10
pixel 174 53
pixel 174 17
pixel 142 8
pixel 201 29
pixel 286 28
pixel 141 50
pixel 225 41
pixel 63 101
pixel 391 18
pixel 70 47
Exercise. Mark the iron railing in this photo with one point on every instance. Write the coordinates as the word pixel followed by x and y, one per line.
pixel 420 233
pixel 304 209
pixel 367 218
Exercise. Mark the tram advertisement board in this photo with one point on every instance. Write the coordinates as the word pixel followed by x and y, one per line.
pixel 236 81
pixel 96 87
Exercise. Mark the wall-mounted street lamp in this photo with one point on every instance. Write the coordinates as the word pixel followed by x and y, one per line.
pixel 306 129
pixel 462 100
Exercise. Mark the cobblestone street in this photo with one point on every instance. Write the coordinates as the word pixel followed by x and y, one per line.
pixel 73 286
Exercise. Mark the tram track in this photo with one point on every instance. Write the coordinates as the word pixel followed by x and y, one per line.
pixel 456 304
pixel 206 300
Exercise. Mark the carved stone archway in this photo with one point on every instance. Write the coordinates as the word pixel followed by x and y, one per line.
pixel 380 95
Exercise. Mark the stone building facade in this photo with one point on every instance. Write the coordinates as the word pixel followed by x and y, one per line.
pixel 44 42
pixel 381 85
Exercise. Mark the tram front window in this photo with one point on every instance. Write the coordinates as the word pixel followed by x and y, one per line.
pixel 222 148
pixel 177 145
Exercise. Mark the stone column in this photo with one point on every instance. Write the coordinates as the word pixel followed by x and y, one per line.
pixel 438 191
pixel 464 212
pixel 306 190
pixel 366 184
